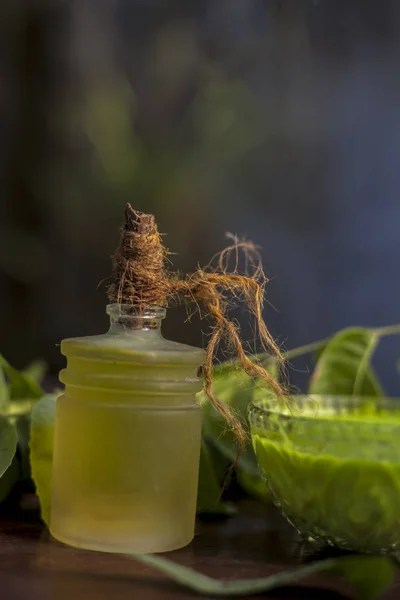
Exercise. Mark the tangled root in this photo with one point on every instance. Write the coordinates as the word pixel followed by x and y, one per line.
pixel 140 278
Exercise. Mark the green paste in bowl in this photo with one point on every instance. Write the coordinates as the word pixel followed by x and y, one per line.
pixel 332 465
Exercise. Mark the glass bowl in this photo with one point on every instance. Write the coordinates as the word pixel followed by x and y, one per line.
pixel 332 465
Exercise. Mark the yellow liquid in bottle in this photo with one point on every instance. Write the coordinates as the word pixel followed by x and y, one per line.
pixel 125 464
pixel 125 478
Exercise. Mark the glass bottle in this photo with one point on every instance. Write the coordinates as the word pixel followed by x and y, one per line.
pixel 127 438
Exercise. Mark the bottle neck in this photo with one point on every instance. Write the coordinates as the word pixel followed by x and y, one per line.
pixel 129 319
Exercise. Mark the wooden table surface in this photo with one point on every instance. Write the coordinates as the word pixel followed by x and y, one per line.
pixel 257 542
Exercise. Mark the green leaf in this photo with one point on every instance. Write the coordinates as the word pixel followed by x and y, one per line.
pixel 8 443
pixel 23 425
pixel 41 450
pixel 36 370
pixel 319 351
pixel 18 408
pixel 215 430
pixel 293 353
pixel 4 395
pixel 344 365
pixel 369 576
pixel 209 490
pixel 234 387
pixel 254 485
pixel 9 479
pixel 22 385
pixel 220 463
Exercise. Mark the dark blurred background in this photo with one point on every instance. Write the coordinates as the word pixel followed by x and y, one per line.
pixel 275 120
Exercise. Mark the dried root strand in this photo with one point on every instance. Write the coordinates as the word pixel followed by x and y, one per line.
pixel 140 278
pixel 215 291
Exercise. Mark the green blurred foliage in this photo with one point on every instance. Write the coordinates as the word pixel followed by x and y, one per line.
pixel 162 129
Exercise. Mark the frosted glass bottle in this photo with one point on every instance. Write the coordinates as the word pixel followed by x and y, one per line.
pixel 127 438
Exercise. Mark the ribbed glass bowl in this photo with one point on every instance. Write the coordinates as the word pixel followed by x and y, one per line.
pixel 332 465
